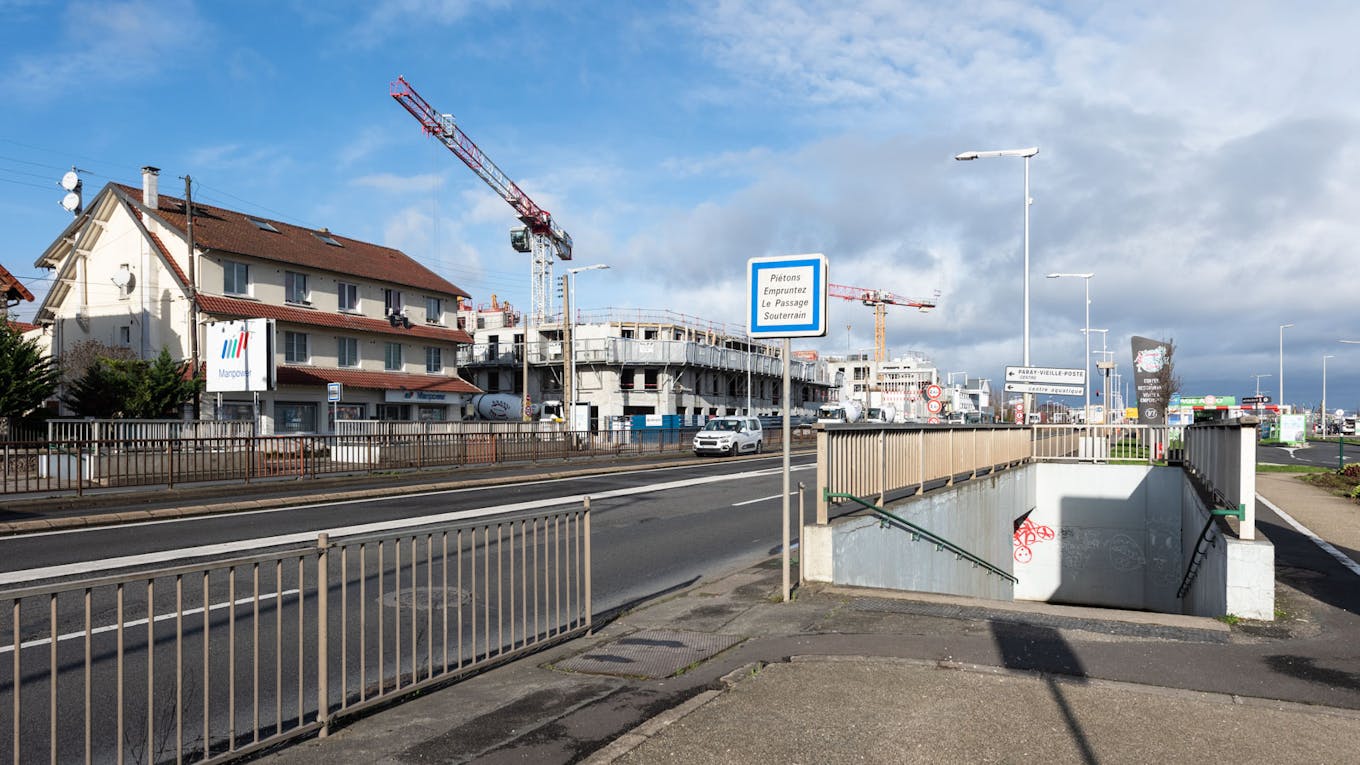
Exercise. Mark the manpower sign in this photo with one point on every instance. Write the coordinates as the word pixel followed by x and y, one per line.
pixel 240 356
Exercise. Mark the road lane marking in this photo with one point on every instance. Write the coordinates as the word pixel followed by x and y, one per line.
pixel 1326 546
pixel 141 622
pixel 309 537
pixel 762 499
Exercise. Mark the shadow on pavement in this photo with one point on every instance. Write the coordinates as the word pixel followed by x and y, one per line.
pixel 1043 649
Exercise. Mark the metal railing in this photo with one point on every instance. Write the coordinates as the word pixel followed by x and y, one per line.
pixel 918 533
pixel 888 460
pixel 140 430
pixel 215 661
pixel 80 465
pixel 1146 444
pixel 1221 458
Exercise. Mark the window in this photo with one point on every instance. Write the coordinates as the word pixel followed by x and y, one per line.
pixel 347 352
pixel 262 225
pixel 392 301
pixel 649 379
pixel 295 287
pixel 290 417
pixel 325 236
pixel 626 379
pixel 392 357
pixel 295 347
pixel 125 336
pixel 434 359
pixel 349 296
pixel 235 278
pixel 434 310
pixel 493 382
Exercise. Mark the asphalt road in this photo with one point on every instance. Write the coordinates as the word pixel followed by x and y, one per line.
pixel 653 530
pixel 1314 453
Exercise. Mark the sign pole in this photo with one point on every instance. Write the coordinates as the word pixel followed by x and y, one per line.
pixel 787 448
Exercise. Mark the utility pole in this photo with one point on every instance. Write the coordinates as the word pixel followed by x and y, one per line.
pixel 568 351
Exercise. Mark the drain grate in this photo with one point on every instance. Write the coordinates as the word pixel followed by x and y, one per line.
pixel 652 654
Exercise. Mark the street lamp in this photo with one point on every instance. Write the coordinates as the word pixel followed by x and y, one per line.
pixel 1026 154
pixel 571 298
pixel 1104 366
pixel 1324 392
pixel 1280 404
pixel 1086 365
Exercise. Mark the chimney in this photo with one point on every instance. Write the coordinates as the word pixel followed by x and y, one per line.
pixel 150 194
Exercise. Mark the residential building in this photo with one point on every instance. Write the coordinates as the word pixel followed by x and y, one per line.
pixel 344 311
pixel 901 383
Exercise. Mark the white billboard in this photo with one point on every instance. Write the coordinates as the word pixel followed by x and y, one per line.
pixel 240 355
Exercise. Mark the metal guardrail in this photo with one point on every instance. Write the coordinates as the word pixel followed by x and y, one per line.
pixel 1147 444
pixel 1221 458
pixel 918 533
pixel 81 465
pixel 884 460
pixel 210 662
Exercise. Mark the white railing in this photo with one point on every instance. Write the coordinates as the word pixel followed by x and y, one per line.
pixel 1101 443
pixel 136 430
pixel 409 429
pixel 1222 456
pixel 212 662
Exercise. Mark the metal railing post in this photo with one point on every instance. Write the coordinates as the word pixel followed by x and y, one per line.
pixel 823 468
pixel 882 465
pixel 586 532
pixel 323 710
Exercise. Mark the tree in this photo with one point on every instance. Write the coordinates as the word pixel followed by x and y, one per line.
pixel 27 377
pixel 77 359
pixel 133 389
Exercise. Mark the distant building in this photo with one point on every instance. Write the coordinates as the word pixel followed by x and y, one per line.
pixel 633 362
pixel 346 311
pixel 901 383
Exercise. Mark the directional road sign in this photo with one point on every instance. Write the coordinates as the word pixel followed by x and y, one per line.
pixel 1256 399
pixel 1045 388
pixel 1051 375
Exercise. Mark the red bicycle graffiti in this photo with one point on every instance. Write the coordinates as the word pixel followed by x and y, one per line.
pixel 1029 534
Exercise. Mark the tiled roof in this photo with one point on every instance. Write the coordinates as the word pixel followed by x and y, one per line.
pixel 226 230
pixel 353 378
pixel 22 326
pixel 11 287
pixel 251 309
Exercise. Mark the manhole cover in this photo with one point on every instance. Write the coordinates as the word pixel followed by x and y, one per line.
pixel 422 598
pixel 653 654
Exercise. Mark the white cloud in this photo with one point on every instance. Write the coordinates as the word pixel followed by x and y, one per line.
pixel 392 183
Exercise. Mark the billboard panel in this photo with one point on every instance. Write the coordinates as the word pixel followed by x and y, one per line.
pixel 240 356
pixel 1150 358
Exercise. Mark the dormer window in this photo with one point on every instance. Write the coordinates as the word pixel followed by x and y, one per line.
pixel 262 225
pixel 325 236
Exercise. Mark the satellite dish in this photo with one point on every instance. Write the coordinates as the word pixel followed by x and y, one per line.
pixel 71 202
pixel 70 181
pixel 122 277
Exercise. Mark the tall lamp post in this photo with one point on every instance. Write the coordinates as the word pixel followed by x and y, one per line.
pixel 1323 418
pixel 1086 364
pixel 1280 404
pixel 571 350
pixel 1026 154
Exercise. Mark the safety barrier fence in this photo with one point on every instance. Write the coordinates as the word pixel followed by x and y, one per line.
pixel 80 465
pixel 1221 459
pixel 213 661
pixel 883 461
pixel 1147 444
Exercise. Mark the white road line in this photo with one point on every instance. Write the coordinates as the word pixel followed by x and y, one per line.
pixel 762 499
pixel 140 622
pixel 251 545
pixel 1341 557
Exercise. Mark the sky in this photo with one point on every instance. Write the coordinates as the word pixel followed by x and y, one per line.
pixel 1201 159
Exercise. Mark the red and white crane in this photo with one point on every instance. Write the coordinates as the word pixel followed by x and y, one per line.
pixel 541 237
pixel 880 300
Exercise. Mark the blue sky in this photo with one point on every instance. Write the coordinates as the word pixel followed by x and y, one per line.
pixel 1201 159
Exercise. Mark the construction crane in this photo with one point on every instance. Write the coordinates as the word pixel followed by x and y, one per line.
pixel 541 235
pixel 880 300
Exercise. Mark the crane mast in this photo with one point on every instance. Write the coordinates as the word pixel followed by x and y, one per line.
pixel 879 300
pixel 545 236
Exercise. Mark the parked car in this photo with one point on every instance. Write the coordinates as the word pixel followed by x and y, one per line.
pixel 730 435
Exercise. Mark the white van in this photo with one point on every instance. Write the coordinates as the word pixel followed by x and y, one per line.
pixel 730 435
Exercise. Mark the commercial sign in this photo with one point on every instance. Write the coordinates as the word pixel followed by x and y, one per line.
pixel 421 397
pixel 240 356
pixel 1051 375
pixel 1151 377
pixel 787 296
pixel 1045 388
pixel 1212 402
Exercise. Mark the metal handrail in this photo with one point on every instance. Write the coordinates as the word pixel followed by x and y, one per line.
pixel 940 542
pixel 1192 570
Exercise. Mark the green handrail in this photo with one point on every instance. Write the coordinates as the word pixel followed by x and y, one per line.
pixel 940 542
pixel 1196 558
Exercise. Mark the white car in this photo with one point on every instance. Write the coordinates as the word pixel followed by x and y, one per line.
pixel 730 435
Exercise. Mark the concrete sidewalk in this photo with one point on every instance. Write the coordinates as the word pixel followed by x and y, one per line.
pixel 842 675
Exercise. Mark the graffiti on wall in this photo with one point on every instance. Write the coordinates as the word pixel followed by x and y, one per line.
pixel 1027 535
